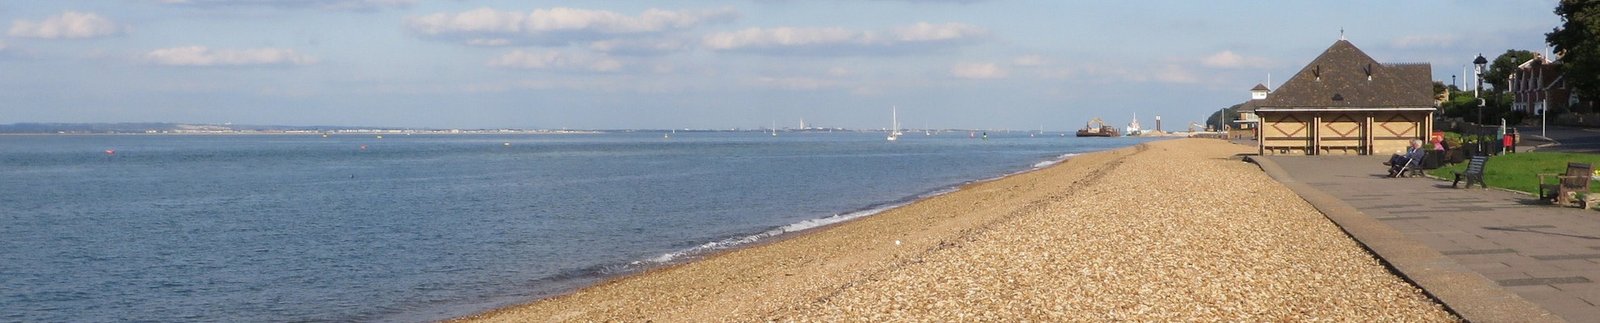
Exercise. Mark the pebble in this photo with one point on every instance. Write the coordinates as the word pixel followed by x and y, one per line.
pixel 1167 231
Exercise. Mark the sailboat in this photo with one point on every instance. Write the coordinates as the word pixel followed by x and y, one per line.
pixel 774 128
pixel 894 128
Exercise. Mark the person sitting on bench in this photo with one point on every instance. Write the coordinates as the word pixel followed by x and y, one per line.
pixel 1411 158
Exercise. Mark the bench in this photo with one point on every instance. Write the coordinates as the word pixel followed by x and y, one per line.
pixel 1431 160
pixel 1343 149
pixel 1473 173
pixel 1567 186
pixel 1282 149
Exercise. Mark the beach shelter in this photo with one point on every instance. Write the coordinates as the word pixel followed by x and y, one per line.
pixel 1345 102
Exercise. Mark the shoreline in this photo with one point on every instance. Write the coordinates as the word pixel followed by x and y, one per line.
pixel 689 255
pixel 914 252
pixel 605 282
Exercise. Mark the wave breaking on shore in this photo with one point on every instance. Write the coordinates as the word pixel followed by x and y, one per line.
pixel 739 241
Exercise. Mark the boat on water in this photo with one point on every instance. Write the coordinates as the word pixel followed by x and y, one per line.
pixel 894 128
pixel 1098 128
pixel 1133 127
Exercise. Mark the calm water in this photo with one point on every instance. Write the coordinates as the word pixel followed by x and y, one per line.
pixel 415 228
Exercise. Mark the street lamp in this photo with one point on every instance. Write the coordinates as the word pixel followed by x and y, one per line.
pixel 1478 75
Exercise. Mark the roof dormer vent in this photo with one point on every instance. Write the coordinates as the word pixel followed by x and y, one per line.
pixel 1368 69
pixel 1317 72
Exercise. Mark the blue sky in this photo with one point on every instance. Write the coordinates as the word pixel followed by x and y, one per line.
pixel 988 64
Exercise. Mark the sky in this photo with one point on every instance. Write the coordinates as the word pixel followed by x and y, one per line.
pixel 615 64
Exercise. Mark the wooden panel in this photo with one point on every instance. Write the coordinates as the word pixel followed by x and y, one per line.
pixel 1393 131
pixel 1341 134
pixel 1398 125
pixel 1285 125
pixel 1284 133
pixel 1341 126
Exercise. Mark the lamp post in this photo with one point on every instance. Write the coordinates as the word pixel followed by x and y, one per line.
pixel 1478 75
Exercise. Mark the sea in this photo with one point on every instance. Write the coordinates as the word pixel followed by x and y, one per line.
pixel 414 228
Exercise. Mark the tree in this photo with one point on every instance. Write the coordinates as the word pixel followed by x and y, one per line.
pixel 1500 71
pixel 1578 45
pixel 1224 116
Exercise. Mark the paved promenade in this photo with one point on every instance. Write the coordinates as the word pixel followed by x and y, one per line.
pixel 1550 256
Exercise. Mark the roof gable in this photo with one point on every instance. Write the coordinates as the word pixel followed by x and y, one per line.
pixel 1345 77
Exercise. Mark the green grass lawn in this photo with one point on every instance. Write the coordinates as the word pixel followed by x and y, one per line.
pixel 1517 171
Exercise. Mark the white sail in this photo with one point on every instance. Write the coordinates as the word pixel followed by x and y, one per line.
pixel 894 124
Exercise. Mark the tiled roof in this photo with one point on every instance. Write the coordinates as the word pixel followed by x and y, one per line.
pixel 1538 67
pixel 1250 106
pixel 1343 77
pixel 1260 87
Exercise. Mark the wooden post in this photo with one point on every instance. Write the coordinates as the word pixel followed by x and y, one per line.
pixel 1315 147
pixel 1367 141
pixel 1261 139
pixel 1427 129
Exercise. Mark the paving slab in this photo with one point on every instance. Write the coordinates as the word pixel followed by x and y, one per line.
pixel 1488 255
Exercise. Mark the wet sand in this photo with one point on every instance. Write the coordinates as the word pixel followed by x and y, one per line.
pixel 1170 230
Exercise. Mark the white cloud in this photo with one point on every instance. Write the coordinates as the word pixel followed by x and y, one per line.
pixel 1173 73
pixel 6 51
pixel 926 32
pixel 1114 72
pixel 560 25
pixel 978 71
pixel 556 60
pixel 490 42
pixel 638 46
pixel 1425 41
pixel 67 25
pixel 352 5
pixel 796 83
pixel 1029 60
pixel 783 37
pixel 1229 59
pixel 202 56
pixel 834 40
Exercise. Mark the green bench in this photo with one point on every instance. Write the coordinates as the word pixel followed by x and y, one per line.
pixel 1473 173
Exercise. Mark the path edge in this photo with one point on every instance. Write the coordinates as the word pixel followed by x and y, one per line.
pixel 1462 292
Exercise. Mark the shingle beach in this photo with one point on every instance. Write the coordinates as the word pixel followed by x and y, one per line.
pixel 1169 230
